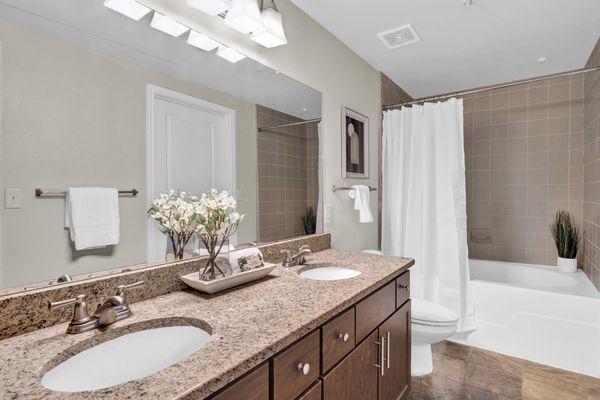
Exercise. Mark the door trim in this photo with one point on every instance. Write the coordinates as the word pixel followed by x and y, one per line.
pixel 153 93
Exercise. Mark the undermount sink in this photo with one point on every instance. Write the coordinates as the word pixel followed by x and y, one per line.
pixel 328 273
pixel 125 358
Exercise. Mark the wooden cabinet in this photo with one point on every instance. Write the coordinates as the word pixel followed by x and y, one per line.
pixel 337 338
pixel 253 386
pixel 355 378
pixel 362 353
pixel 296 368
pixel 314 393
pixel 395 333
pixel 373 310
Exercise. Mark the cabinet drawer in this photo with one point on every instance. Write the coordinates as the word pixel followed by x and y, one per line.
pixel 313 394
pixel 338 338
pixel 373 310
pixel 402 288
pixel 291 375
pixel 254 386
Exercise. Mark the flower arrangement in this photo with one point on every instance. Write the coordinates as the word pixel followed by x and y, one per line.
pixel 216 221
pixel 175 213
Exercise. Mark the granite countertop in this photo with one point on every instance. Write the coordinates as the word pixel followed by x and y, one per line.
pixel 250 325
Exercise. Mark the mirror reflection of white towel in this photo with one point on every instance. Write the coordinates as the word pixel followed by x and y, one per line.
pixel 360 194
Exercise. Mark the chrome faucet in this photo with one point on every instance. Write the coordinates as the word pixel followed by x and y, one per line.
pixel 108 312
pixel 296 259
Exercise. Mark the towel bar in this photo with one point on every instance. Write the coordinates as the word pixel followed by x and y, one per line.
pixel 45 192
pixel 336 188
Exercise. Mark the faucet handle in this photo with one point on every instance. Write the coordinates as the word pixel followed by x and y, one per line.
pixel 80 312
pixel 288 254
pixel 121 289
pixel 303 247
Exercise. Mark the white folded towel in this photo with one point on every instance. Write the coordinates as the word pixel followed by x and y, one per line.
pixel 360 194
pixel 234 258
pixel 92 216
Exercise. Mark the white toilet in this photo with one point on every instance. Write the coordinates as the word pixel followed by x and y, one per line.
pixel 430 323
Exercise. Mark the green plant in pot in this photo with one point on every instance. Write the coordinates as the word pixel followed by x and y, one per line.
pixel 567 236
pixel 309 221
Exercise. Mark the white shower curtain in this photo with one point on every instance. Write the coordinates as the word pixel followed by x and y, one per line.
pixel 319 227
pixel 424 202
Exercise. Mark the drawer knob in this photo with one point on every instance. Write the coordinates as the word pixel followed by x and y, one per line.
pixel 344 337
pixel 405 287
pixel 304 368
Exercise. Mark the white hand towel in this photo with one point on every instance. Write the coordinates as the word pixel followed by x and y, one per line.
pixel 360 194
pixel 92 216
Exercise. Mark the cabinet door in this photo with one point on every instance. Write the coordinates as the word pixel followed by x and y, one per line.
pixel 394 383
pixel 355 378
pixel 313 394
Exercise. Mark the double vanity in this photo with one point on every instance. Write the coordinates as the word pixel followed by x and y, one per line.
pixel 335 328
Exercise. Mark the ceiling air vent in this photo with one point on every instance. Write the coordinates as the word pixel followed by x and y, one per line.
pixel 399 37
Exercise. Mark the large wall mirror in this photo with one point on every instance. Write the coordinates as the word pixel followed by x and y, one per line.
pixel 91 98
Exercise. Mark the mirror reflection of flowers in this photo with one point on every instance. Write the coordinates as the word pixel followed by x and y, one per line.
pixel 175 213
pixel 216 221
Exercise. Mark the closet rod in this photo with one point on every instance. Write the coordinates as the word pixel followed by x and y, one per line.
pixel 46 192
pixel 485 88
pixel 308 121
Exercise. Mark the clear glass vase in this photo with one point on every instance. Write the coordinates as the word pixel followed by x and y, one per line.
pixel 215 262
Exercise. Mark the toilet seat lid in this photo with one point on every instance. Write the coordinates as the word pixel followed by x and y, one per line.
pixel 428 313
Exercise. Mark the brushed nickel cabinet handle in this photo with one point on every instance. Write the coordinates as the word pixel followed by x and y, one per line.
pixel 344 337
pixel 381 366
pixel 388 349
pixel 304 368
pixel 405 287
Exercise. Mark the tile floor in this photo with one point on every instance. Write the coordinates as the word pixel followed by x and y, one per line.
pixel 463 372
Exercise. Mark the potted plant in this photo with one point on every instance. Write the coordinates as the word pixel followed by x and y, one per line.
pixel 309 221
pixel 566 236
pixel 216 222
pixel 175 214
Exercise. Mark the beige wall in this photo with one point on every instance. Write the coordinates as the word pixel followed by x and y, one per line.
pixel 77 118
pixel 591 194
pixel 316 58
pixel 524 160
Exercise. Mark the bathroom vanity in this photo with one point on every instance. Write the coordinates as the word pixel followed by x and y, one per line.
pixel 285 337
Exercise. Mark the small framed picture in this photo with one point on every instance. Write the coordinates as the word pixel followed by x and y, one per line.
pixel 355 144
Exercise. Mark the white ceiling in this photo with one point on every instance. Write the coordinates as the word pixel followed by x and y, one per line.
pixel 97 28
pixel 493 41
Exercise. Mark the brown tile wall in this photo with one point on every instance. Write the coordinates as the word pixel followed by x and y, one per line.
pixel 287 168
pixel 591 193
pixel 524 160
pixel 392 93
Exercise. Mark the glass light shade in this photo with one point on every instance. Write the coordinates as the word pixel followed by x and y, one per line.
pixel 129 8
pixel 244 16
pixel 210 7
pixel 229 54
pixel 168 25
pixel 202 41
pixel 272 35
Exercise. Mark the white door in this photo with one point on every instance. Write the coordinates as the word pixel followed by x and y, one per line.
pixel 191 147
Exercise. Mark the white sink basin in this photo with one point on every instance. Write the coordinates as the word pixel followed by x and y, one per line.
pixel 125 358
pixel 329 273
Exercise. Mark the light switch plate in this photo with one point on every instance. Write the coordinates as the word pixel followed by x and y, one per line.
pixel 12 198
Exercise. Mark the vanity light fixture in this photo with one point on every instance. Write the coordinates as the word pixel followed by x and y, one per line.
pixel 244 16
pixel 210 7
pixel 230 54
pixel 272 35
pixel 201 41
pixel 168 25
pixel 129 8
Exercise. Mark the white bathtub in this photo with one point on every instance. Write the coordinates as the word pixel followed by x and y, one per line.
pixel 536 313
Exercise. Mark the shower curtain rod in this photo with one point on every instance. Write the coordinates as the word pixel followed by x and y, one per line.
pixel 485 88
pixel 308 121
